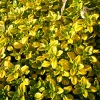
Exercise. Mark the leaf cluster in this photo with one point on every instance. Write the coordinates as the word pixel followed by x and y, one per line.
pixel 49 54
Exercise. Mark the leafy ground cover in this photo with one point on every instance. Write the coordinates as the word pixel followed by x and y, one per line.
pixel 49 49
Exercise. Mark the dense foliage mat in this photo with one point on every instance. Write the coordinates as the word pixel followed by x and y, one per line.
pixel 49 49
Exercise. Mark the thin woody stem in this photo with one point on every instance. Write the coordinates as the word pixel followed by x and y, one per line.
pixel 62 9
pixel 92 8
pixel 63 6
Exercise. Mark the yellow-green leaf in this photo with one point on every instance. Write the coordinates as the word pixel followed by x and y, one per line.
pixel 54 49
pixel 45 63
pixel 16 75
pixel 9 48
pixel 79 50
pixel 82 72
pixel 2 73
pixel 28 56
pixel 90 29
pixel 72 72
pixel 70 97
pixel 88 68
pixel 18 21
pixel 59 53
pixel 38 8
pixel 64 63
pixel 83 79
pixel 40 58
pixel 53 42
pixel 10 78
pixel 17 45
pixel 85 94
pixel 2 40
pixel 22 98
pixel 56 73
pixel 52 82
pixel 38 95
pixel 10 93
pixel 32 32
pixel 2 50
pixel 80 66
pixel 91 73
pixel 96 82
pixel 65 73
pixel 78 59
pixel 71 55
pixel 65 97
pixel 24 69
pixel 8 58
pixel 93 59
pixel 52 28
pixel 18 57
pixel 70 41
pixel 55 7
pixel 74 80
pixel 34 76
pixel 22 87
pixel 59 78
pixel 68 88
pixel 23 2
pixel 78 28
pixel 64 45
pixel 76 39
pixel 2 26
pixel 26 81
pixel 88 85
pixel 91 96
pixel 7 87
pixel 24 40
pixel 8 63
pixel 95 16
pixel 36 44
pixel 54 63
pixel 93 89
pixel 76 91
pixel 84 37
pixel 96 51
pixel 65 81
pixel 60 90
pixel 22 27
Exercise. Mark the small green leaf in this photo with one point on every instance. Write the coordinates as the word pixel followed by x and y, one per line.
pixel 60 90
pixel 38 95
pixel 45 63
pixel 26 81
